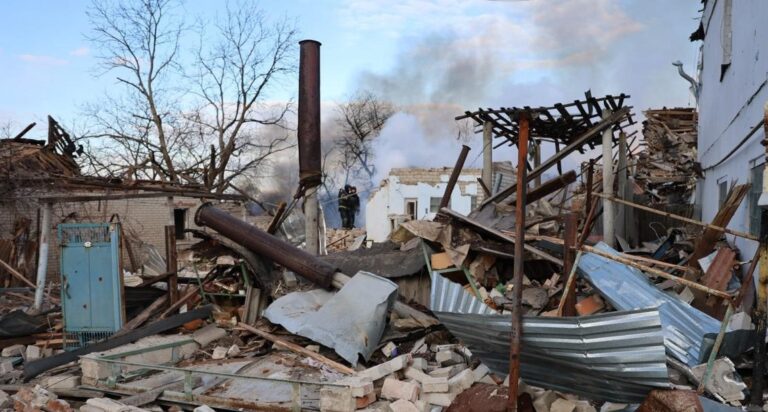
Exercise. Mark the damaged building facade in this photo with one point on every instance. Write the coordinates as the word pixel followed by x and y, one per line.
pixel 731 98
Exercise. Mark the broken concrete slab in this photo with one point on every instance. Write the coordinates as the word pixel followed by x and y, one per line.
pixel 448 357
pixel 403 405
pixel 208 335
pixel 723 380
pixel 428 383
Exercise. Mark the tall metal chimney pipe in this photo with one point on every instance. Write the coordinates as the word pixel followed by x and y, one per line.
pixel 309 113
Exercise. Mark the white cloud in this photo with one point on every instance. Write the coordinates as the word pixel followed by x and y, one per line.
pixel 43 60
pixel 80 52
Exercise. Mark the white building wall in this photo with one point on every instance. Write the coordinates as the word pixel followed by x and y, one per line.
pixel 389 202
pixel 730 108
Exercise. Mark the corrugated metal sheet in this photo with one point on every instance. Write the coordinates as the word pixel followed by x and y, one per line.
pixel 616 357
pixel 626 288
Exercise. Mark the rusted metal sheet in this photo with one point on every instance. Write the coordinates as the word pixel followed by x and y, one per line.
pixel 309 113
pixel 261 243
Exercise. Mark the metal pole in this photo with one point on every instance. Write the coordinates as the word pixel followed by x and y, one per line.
pixel 487 153
pixel 621 229
pixel 517 280
pixel 309 138
pixel 609 235
pixel 446 200
pixel 537 163
pixel 42 258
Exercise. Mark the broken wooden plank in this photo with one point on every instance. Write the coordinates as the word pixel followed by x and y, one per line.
pixel 711 227
pixel 657 272
pixel 707 240
pixel 298 349
pixel 15 273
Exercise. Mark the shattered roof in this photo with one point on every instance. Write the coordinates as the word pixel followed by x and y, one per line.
pixel 561 123
pixel 22 159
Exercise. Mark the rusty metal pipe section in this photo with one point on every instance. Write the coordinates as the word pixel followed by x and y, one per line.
pixel 264 244
pixel 309 114
pixel 446 200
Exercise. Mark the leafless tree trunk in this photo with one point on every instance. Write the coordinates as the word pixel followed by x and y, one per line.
pixel 210 125
pixel 360 122
pixel 232 79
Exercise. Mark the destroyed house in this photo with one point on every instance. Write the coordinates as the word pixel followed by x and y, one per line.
pixel 415 194
pixel 732 90
pixel 35 174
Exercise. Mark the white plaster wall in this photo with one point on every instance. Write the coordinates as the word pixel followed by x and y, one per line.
pixel 730 108
pixel 389 201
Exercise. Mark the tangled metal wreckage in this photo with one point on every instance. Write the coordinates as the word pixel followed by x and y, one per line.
pixel 569 291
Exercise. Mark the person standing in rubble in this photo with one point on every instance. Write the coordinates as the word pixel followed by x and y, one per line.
pixel 344 206
pixel 354 206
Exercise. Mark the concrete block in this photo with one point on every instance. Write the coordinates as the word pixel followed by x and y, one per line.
pixel 60 382
pixel 562 405
pixel 428 383
pixel 402 405
pixel 6 366
pixel 380 406
pixel 233 350
pixel 420 347
pixel 89 408
pixel 462 381
pixel 544 401
pixel 203 408
pixel 289 278
pixel 219 352
pixel 205 336
pixel 422 406
pixel 389 350
pixel 419 363
pixel 363 401
pixel 439 399
pixel 396 389
pixel 337 399
pixel 359 385
pixel 13 350
pixel 448 371
pixel 480 371
pixel 487 379
pixel 584 406
pixel 32 353
pixel 379 371
pixel 448 357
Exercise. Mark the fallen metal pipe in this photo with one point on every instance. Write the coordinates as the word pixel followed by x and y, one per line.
pixel 286 255
pixel 264 244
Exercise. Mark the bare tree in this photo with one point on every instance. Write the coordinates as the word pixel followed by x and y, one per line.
pixel 209 125
pixel 232 78
pixel 360 121
pixel 140 40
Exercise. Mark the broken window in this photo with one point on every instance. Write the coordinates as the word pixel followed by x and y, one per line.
pixel 411 206
pixel 755 212
pixel 180 222
pixel 434 204
pixel 722 188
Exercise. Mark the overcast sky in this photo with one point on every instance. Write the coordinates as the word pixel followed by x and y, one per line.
pixel 438 57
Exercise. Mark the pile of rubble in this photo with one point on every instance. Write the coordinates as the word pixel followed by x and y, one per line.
pixel 668 169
